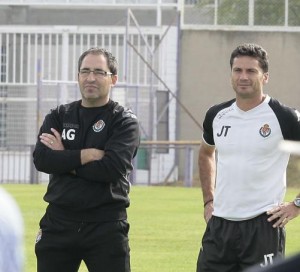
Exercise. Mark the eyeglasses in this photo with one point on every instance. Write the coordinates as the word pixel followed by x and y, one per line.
pixel 96 72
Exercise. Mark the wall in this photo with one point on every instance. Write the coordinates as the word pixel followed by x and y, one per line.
pixel 204 73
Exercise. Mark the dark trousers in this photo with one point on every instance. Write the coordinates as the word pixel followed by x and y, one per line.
pixel 232 246
pixel 62 245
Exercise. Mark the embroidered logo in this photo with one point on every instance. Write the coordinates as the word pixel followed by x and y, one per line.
pixel 68 134
pixel 97 127
pixel 268 258
pixel 69 125
pixel 265 131
pixel 224 112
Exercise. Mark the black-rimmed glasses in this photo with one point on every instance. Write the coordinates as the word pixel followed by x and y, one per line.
pixel 96 72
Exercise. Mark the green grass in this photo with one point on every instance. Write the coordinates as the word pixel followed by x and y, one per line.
pixel 166 226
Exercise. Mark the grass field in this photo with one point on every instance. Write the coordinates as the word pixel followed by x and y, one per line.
pixel 166 226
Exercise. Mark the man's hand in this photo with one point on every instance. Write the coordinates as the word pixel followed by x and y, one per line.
pixel 54 142
pixel 283 214
pixel 208 210
pixel 91 154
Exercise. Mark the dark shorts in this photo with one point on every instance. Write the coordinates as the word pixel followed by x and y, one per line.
pixel 236 245
pixel 62 245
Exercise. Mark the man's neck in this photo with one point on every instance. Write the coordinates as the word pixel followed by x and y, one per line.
pixel 246 104
pixel 90 103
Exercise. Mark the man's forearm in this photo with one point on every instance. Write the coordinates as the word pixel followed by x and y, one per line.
pixel 56 161
pixel 207 179
pixel 207 170
pixel 90 154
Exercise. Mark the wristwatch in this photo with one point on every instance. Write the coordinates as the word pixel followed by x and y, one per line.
pixel 297 202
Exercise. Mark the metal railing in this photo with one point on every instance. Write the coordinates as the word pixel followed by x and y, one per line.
pixel 58 48
pixel 16 164
pixel 183 168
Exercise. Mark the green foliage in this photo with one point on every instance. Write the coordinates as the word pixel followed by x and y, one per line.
pixel 294 12
pixel 266 12
pixel 166 226
pixel 233 12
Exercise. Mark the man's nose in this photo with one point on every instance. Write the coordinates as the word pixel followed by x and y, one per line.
pixel 91 76
pixel 243 75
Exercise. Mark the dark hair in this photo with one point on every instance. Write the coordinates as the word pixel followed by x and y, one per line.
pixel 254 51
pixel 111 60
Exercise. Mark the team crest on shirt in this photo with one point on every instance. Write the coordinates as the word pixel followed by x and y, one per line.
pixel 98 126
pixel 265 130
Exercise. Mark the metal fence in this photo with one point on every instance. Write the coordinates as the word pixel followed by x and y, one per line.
pixel 38 66
pixel 38 71
pixel 16 164
pixel 183 150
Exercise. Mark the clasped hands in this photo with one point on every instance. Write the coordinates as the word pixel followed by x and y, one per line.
pixel 54 142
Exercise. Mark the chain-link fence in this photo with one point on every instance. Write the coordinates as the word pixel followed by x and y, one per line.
pixel 23 109
pixel 38 72
pixel 17 132
pixel 17 115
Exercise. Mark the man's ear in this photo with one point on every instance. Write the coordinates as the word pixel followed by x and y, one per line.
pixel 114 79
pixel 266 78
